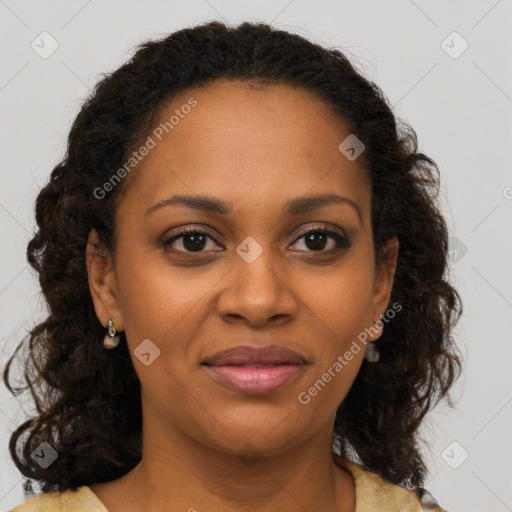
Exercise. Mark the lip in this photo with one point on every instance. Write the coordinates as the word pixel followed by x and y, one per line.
pixel 255 370
pixel 247 354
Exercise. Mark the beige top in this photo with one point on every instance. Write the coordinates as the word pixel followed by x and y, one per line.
pixel 373 494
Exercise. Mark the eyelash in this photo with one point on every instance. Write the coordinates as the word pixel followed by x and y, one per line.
pixel 342 242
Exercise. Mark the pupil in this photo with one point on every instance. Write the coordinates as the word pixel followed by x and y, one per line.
pixel 317 244
pixel 197 242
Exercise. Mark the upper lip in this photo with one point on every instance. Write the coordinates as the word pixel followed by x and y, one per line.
pixel 246 354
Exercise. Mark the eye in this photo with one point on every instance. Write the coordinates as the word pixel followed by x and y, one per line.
pixel 191 239
pixel 317 238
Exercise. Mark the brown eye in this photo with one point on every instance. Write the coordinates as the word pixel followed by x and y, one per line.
pixel 317 239
pixel 191 239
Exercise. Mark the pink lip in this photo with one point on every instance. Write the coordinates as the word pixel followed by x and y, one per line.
pixel 255 381
pixel 255 370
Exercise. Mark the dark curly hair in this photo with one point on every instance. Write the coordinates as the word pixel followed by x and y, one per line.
pixel 88 400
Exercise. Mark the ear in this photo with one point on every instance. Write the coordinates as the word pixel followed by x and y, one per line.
pixel 102 282
pixel 383 283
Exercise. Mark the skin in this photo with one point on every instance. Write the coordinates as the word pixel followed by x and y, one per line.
pixel 207 447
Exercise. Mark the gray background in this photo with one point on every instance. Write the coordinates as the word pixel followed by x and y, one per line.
pixel 460 105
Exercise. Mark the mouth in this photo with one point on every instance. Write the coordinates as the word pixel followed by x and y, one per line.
pixel 255 370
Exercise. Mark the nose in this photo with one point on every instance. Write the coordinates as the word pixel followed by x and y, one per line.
pixel 257 293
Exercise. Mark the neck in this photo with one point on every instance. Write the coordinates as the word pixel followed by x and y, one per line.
pixel 178 473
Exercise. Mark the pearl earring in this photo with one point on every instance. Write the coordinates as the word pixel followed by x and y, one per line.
pixel 372 354
pixel 111 339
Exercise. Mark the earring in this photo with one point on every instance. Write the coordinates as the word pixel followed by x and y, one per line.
pixel 372 354
pixel 111 339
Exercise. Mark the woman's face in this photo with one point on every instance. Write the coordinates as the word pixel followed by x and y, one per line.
pixel 254 277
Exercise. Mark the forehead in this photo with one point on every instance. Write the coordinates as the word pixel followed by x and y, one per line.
pixel 234 113
pixel 231 138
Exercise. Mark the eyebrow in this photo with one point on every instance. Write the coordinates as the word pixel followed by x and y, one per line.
pixel 292 207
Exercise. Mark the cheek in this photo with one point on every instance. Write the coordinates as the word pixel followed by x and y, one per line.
pixel 338 315
pixel 339 310
pixel 160 302
pixel 339 300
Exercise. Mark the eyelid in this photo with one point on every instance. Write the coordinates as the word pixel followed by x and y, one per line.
pixel 191 229
pixel 321 227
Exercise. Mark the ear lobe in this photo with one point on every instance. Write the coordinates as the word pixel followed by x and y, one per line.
pixel 102 281
pixel 384 278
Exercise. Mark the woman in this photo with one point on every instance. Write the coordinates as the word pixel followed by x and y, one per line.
pixel 245 270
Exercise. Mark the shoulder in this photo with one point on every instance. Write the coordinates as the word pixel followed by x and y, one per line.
pixel 81 499
pixel 373 493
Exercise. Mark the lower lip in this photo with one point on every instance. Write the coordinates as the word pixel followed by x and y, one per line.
pixel 255 380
